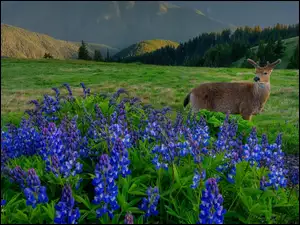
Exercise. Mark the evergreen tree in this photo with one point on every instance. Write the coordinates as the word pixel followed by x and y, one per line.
pixel 97 56
pixel 83 52
pixel 269 53
pixel 279 48
pixel 250 54
pixel 261 53
pixel 107 56
pixel 294 60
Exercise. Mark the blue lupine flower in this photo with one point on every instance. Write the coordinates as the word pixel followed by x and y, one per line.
pixel 119 158
pixel 211 209
pixel 65 212
pixel 34 189
pixel 3 202
pixel 86 92
pixel 231 174
pixel 36 103
pixel 119 92
pixel 57 93
pixel 294 176
pixel 149 204
pixel 128 218
pixel 78 183
pixel 277 177
pixel 164 155
pixel 70 96
pixel 226 135
pixel 18 176
pixel 106 190
pixel 185 148
pixel 263 184
pixel 24 140
pixel 197 177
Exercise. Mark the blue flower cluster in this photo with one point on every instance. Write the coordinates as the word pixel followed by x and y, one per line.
pixel 106 190
pixel 61 148
pixel 149 204
pixel 64 209
pixel 211 209
pixel 197 177
pixel 34 193
pixel 86 91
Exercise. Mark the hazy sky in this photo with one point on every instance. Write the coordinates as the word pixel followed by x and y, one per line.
pixel 287 12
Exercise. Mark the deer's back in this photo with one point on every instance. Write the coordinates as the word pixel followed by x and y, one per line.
pixel 223 97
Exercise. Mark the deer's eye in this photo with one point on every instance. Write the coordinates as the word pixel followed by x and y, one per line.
pixel 265 73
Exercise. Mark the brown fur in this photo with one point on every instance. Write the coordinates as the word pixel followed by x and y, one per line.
pixel 243 98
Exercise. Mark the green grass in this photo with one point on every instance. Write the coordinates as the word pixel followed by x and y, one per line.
pixel 291 44
pixel 23 80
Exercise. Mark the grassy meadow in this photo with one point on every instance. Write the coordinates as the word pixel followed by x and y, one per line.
pixel 24 79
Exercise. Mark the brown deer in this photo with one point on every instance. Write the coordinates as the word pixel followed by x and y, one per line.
pixel 244 98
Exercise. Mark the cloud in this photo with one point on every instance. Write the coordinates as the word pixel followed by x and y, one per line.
pixel 116 5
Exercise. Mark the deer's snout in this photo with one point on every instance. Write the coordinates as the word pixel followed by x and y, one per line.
pixel 256 79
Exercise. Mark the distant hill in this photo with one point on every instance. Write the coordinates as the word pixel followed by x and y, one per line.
pixel 291 44
pixel 20 43
pixel 115 23
pixel 145 47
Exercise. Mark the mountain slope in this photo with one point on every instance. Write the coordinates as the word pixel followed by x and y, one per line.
pixel 145 47
pixel 20 43
pixel 114 23
pixel 291 44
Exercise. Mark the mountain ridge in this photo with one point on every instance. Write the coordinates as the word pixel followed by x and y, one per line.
pixel 143 47
pixel 21 43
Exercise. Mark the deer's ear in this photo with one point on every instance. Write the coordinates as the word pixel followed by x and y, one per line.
pixel 252 63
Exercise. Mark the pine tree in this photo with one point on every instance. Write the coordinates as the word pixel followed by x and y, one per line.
pixel 294 60
pixel 269 54
pixel 107 56
pixel 261 53
pixel 279 48
pixel 97 56
pixel 83 52
pixel 250 54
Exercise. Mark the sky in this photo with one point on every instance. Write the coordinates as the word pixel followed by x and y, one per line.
pixel 250 13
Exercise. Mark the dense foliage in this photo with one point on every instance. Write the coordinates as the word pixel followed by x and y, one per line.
pixel 107 159
pixel 222 49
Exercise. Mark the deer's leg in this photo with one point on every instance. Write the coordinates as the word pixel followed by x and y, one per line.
pixel 194 103
pixel 245 112
pixel 247 116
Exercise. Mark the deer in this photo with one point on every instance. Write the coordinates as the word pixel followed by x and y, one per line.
pixel 243 98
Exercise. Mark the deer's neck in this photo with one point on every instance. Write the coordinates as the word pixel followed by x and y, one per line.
pixel 261 91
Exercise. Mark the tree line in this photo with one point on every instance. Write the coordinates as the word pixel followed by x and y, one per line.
pixel 221 49
pixel 83 54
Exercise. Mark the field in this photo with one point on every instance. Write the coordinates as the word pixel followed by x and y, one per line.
pixel 23 80
pixel 105 159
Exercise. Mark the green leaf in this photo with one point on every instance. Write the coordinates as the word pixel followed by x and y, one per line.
pixel 233 214
pixel 173 213
pixel 140 220
pixel 176 175
pixel 85 201
pixel 252 191
pixel 50 210
pixel 21 217
pixel 132 187
pixel 135 210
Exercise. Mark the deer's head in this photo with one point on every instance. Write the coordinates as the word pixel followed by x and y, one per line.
pixel 262 74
